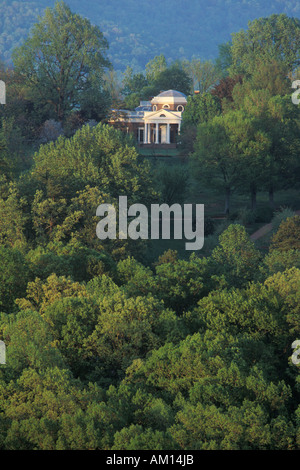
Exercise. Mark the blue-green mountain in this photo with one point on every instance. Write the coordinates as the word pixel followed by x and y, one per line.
pixel 139 30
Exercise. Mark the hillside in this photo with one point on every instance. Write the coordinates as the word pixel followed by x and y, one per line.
pixel 137 31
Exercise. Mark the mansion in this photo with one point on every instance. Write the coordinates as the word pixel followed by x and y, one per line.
pixel 156 122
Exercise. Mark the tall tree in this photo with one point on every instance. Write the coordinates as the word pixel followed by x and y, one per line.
pixel 200 108
pixel 228 150
pixel 63 58
pixel 278 119
pixel 133 83
pixel 204 74
pixel 174 77
pixel 224 59
pixel 155 66
pixel 267 39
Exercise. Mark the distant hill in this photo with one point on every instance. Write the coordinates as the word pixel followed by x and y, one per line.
pixel 139 30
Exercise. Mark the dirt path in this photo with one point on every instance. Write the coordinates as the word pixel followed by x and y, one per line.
pixel 264 230
pixel 261 232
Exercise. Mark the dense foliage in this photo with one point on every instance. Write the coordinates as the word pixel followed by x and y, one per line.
pixel 63 61
pixel 109 346
pixel 193 354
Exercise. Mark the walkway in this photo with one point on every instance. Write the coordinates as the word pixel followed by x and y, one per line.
pixel 264 230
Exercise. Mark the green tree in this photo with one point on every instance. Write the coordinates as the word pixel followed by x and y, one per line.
pixel 113 87
pixel 287 236
pixel 71 177
pixel 222 151
pixel 278 261
pixel 126 329
pixel 11 149
pixel 287 285
pixel 42 293
pixel 204 74
pixel 133 83
pixel 136 437
pixel 72 321
pixel 200 108
pixel 224 59
pixel 236 257
pixel 63 58
pixel 175 78
pixel 29 343
pixel 42 408
pixel 154 67
pixel 276 37
pixel 276 118
pixel 14 276
pixel 13 219
pixel 21 114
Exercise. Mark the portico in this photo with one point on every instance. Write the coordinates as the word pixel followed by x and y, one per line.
pixel 156 122
pixel 161 128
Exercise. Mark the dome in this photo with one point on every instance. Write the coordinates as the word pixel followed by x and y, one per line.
pixel 171 97
pixel 171 94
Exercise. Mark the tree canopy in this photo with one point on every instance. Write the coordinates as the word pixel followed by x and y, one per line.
pixel 62 60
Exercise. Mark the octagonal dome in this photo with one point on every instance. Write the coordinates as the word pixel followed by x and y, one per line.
pixel 172 93
pixel 170 97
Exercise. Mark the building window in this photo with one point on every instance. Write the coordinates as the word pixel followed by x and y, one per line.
pixel 166 106
pixel 180 108
pixel 154 107
pixel 141 135
pixel 162 115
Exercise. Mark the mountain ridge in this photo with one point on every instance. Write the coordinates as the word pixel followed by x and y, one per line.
pixel 137 31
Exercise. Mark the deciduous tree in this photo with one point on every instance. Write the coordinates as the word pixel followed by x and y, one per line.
pixel 63 58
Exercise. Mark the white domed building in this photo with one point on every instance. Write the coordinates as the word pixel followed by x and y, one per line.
pixel 156 122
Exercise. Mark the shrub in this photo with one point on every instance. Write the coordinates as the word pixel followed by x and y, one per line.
pixel 246 216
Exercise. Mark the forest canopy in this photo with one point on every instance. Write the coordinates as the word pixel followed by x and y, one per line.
pixel 133 344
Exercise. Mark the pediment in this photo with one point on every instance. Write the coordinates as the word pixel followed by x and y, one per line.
pixel 161 114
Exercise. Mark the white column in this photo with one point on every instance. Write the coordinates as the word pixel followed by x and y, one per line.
pixel 145 133
pixel 157 133
pixel 179 125
pixel 168 133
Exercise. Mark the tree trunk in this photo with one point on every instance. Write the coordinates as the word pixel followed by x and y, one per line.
pixel 227 199
pixel 253 198
pixel 271 197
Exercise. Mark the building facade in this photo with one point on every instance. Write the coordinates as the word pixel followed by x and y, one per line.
pixel 156 122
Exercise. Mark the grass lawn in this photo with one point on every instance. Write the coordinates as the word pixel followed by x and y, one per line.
pixel 152 152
